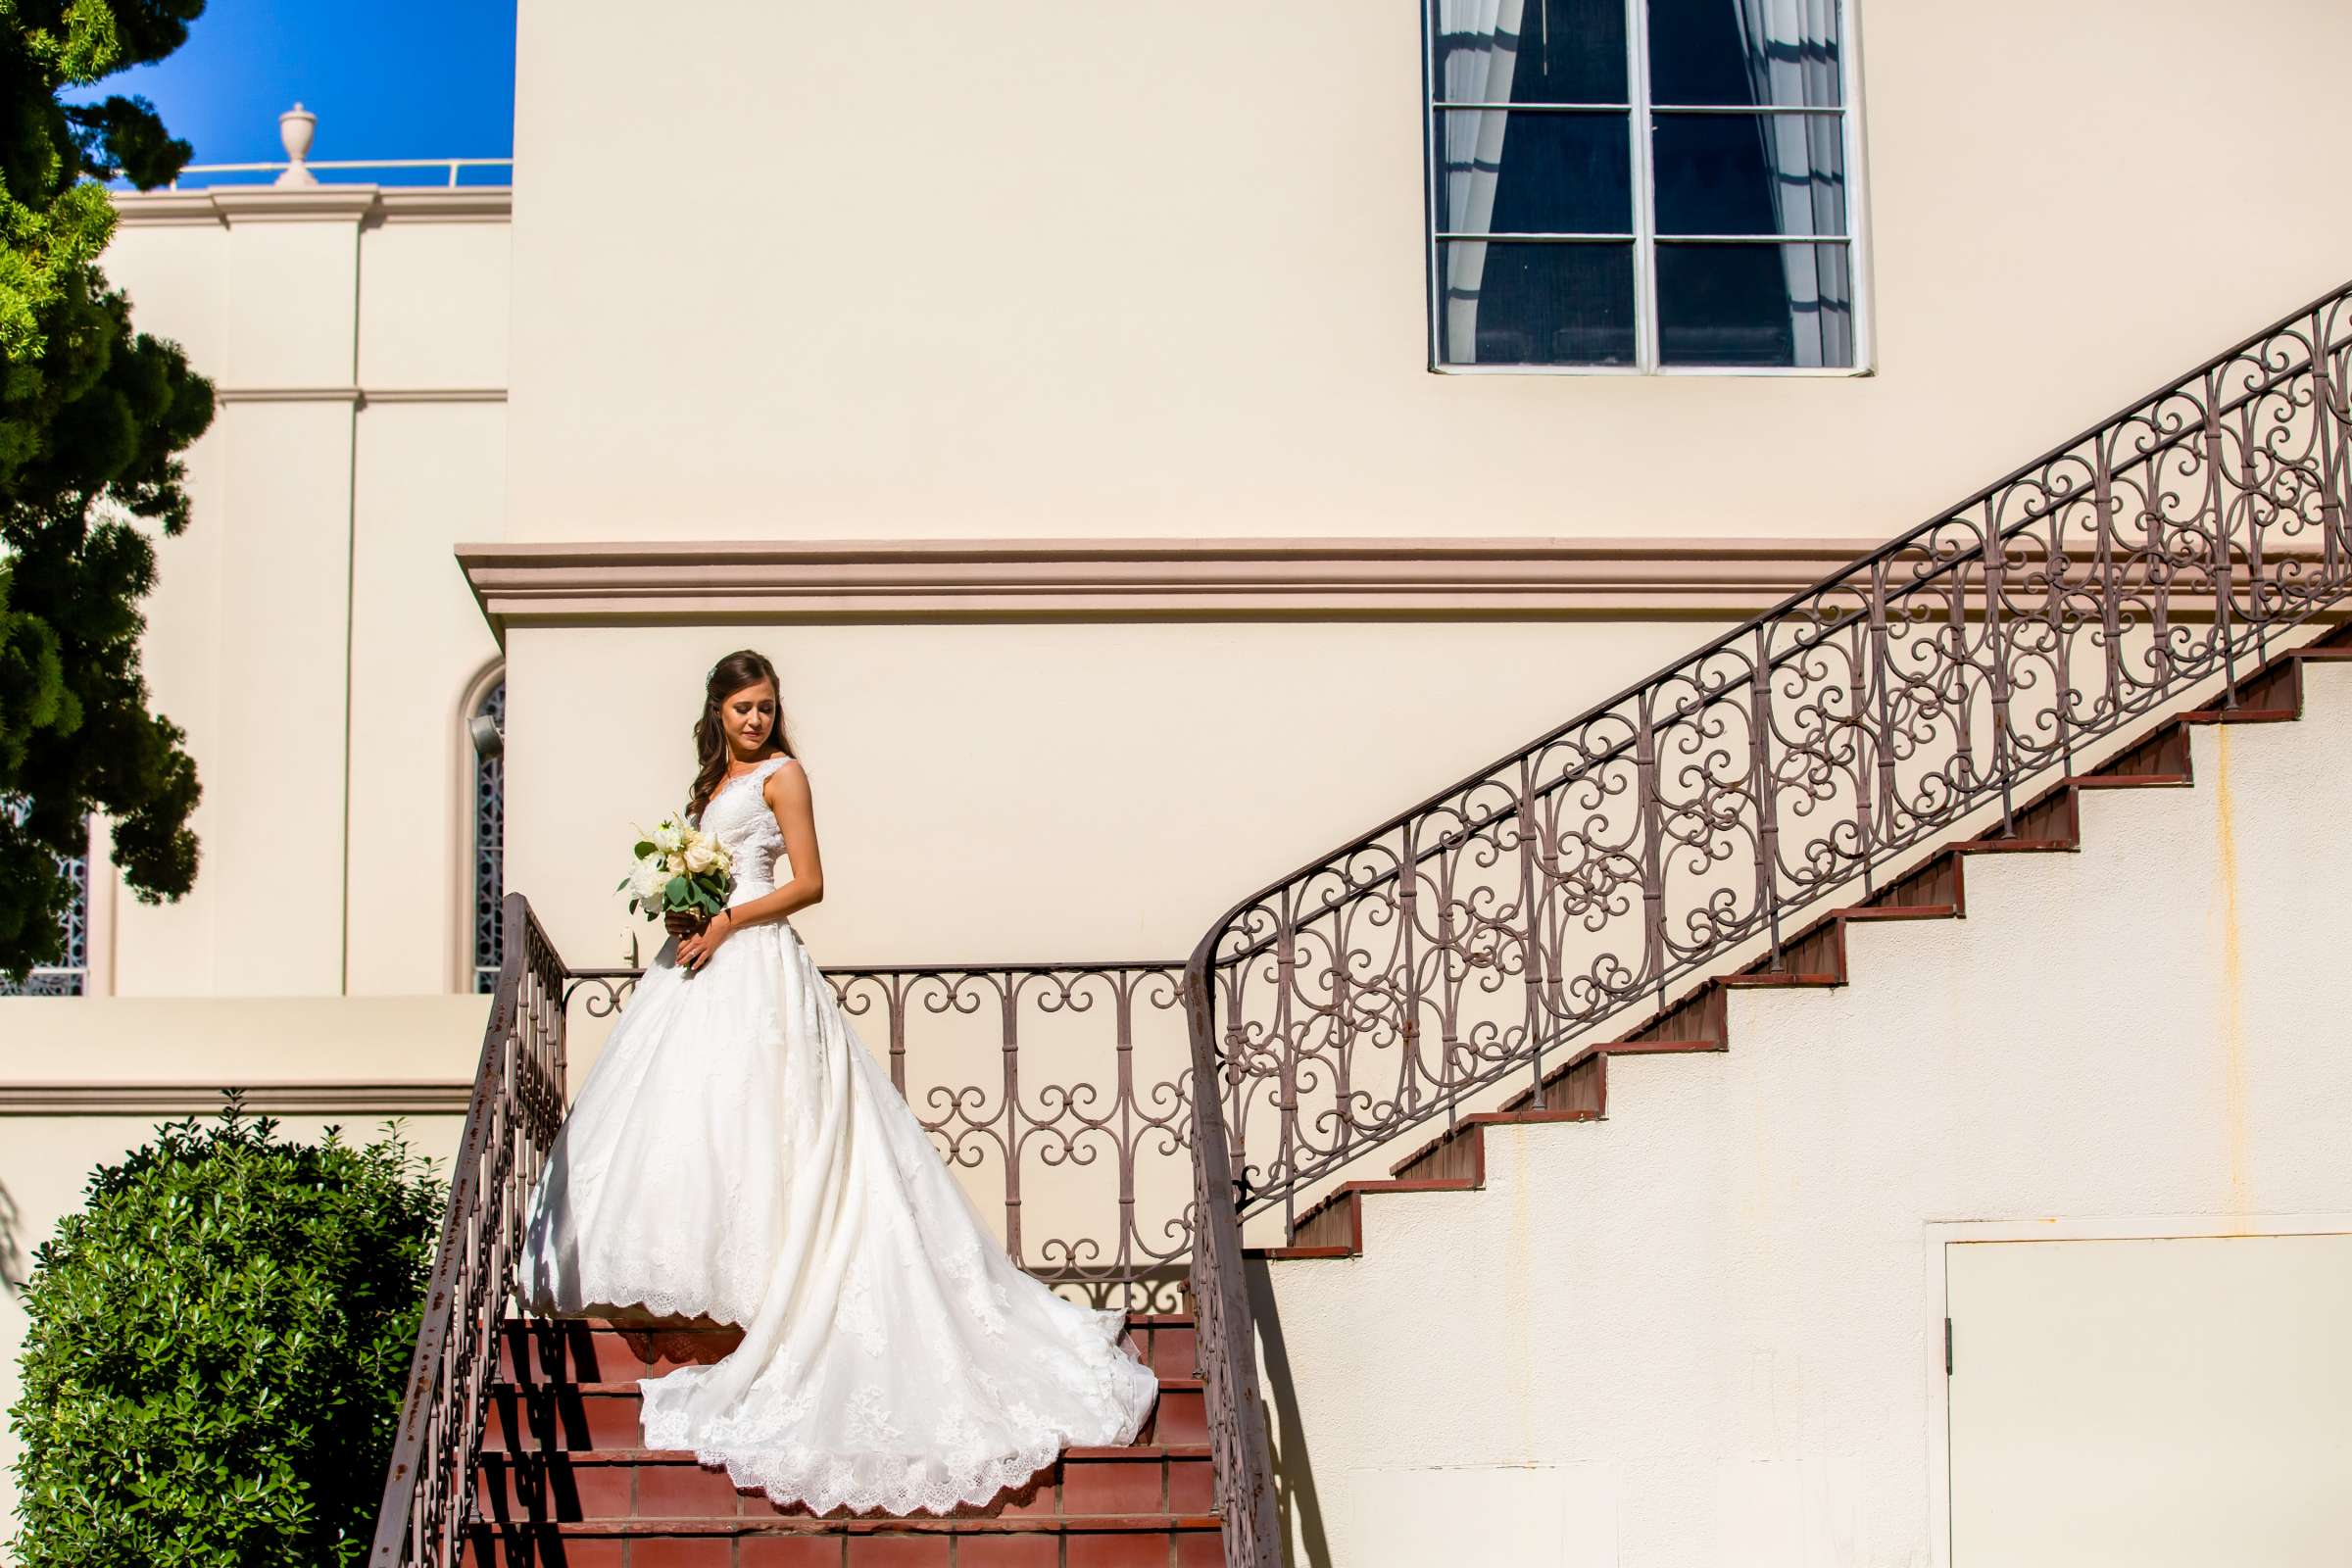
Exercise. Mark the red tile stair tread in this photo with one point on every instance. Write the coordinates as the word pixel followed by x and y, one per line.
pixel 627 1389
pixel 618 1457
pixel 860 1525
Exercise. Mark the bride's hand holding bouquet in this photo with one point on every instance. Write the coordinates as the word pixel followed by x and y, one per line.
pixel 682 876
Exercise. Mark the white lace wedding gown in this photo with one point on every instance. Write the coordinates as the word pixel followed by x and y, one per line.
pixel 737 1153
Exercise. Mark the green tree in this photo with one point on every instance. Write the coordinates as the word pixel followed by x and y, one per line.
pixel 94 417
pixel 214 1351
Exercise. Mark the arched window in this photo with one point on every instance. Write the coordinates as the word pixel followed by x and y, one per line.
pixel 65 977
pixel 487 725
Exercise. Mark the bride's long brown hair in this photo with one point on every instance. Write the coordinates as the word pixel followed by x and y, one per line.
pixel 728 676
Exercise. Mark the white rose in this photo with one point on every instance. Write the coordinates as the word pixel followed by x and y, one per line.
pixel 701 854
pixel 668 836
pixel 648 877
pixel 720 860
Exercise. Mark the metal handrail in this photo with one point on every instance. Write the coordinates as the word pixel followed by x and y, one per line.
pixel 455 166
pixel 1677 827
pixel 510 1124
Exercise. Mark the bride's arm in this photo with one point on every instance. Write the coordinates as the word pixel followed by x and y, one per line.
pixel 786 791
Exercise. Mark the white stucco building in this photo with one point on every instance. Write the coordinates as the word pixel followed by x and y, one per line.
pixel 1128 436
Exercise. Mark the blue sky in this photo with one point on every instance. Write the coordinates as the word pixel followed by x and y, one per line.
pixel 387 78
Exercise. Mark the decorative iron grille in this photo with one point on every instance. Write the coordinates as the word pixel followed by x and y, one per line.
pixel 489 841
pixel 70 975
pixel 1048 1078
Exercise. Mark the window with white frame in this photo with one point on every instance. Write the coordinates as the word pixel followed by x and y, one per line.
pixel 1640 185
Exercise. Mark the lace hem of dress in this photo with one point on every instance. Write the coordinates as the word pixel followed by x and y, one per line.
pixel 896 1485
pixel 657 1303
pixel 869 1483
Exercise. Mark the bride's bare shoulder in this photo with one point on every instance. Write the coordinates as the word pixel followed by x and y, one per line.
pixel 786 781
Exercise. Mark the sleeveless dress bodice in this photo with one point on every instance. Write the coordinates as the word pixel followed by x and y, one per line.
pixel 737 814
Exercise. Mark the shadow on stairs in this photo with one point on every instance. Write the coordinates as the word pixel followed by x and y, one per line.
pixel 564 1481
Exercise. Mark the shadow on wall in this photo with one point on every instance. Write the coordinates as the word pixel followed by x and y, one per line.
pixel 12 1252
pixel 1299 1511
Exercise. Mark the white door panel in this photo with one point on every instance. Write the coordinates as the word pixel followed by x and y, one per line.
pixel 2152 1402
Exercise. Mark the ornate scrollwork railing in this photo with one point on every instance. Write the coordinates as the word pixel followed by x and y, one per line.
pixel 1047 1078
pixel 1678 827
pixel 511 1123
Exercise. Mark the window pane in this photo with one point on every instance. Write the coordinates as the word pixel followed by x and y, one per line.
pixel 1543 173
pixel 1530 51
pixel 1735 53
pixel 1749 173
pixel 1531 304
pixel 1749 305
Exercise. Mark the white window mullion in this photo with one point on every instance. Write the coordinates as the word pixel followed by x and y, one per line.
pixel 1432 258
pixel 1645 250
pixel 1850 127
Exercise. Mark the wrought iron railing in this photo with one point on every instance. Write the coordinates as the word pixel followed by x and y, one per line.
pixel 1679 827
pixel 1044 1078
pixel 518 1104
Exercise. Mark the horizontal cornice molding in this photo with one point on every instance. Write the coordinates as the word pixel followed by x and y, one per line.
pixel 984 579
pixel 426 1098
pixel 223 205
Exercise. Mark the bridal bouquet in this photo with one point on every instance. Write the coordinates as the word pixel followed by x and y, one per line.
pixel 680 870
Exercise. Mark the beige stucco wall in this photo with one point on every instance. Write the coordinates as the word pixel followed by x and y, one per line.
pixel 1040 268
pixel 1034 790
pixel 310 630
pixel 1707 1331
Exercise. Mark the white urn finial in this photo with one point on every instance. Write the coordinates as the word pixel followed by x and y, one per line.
pixel 295 128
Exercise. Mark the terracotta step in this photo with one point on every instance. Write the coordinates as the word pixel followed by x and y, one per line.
pixel 558 1417
pixel 591 1351
pixel 651 1483
pixel 1146 1541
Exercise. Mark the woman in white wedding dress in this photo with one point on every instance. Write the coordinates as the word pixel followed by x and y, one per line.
pixel 737 1153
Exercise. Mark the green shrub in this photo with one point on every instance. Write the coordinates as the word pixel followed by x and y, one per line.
pixel 212 1370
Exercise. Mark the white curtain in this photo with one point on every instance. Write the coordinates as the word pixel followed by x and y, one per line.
pixel 1792 49
pixel 1470 150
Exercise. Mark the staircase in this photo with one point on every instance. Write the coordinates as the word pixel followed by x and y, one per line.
pixel 565 1482
pixel 1577 1091
pixel 1475 963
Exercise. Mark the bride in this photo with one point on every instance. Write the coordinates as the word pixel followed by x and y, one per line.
pixel 737 1153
